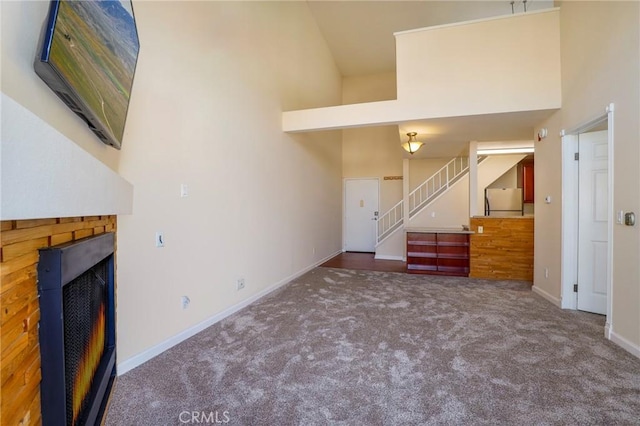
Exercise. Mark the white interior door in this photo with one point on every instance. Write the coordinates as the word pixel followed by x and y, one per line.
pixel 593 219
pixel 361 214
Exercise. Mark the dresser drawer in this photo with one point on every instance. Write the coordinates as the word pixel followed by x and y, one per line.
pixel 421 238
pixel 453 239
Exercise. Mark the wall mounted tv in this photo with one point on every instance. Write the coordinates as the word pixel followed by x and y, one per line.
pixel 87 55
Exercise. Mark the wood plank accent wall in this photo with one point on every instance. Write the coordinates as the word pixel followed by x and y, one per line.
pixel 20 311
pixel 504 250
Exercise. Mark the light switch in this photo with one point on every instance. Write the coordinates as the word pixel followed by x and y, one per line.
pixel 480 229
pixel 184 190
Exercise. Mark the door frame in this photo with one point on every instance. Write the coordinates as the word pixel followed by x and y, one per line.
pixel 569 250
pixel 344 209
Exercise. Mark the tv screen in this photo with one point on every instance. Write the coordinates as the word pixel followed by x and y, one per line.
pixel 87 55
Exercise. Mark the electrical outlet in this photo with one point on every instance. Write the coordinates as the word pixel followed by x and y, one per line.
pixel 240 284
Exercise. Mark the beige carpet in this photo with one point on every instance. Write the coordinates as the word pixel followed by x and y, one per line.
pixel 370 348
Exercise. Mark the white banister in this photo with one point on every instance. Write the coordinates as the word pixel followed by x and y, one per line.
pixel 439 182
pixel 420 197
pixel 390 221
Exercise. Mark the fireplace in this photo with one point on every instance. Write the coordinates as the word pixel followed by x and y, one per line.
pixel 77 330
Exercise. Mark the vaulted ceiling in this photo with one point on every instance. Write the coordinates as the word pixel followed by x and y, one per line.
pixel 360 33
pixel 360 36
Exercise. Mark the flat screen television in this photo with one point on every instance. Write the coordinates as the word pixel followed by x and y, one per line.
pixel 87 55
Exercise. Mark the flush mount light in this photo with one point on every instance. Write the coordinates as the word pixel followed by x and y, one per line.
pixel 505 151
pixel 412 145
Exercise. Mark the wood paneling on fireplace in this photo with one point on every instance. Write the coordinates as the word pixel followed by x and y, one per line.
pixel 20 312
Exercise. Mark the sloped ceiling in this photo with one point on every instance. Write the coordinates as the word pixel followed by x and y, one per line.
pixel 360 33
pixel 360 36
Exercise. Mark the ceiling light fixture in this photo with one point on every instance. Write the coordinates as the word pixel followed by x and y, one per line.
pixel 505 151
pixel 412 145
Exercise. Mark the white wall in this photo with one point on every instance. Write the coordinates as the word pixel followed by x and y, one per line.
pixel 393 248
pixel 421 169
pixel 369 88
pixel 205 111
pixel 482 67
pixel 507 180
pixel 20 30
pixel 373 152
pixel 43 174
pixel 600 65
pixel 53 165
pixel 451 210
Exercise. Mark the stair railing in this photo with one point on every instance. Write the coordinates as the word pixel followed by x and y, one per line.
pixel 424 194
pixel 390 221
pixel 438 183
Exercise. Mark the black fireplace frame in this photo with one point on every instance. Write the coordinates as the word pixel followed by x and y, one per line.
pixel 57 267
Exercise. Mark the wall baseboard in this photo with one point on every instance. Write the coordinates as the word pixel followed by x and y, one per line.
pixel 625 344
pixel 385 257
pixel 141 358
pixel 556 301
pixel 609 334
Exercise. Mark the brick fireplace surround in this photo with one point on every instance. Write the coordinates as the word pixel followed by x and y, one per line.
pixel 19 350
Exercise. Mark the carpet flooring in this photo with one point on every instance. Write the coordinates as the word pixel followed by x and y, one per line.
pixel 352 347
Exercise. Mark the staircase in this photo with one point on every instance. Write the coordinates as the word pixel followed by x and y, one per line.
pixel 424 194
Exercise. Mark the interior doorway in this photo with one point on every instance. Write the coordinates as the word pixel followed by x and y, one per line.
pixel 593 221
pixel 361 201
pixel 587 215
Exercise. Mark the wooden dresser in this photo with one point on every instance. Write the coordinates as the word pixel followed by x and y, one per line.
pixel 438 251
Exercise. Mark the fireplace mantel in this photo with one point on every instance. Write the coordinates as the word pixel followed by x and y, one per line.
pixel 46 175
